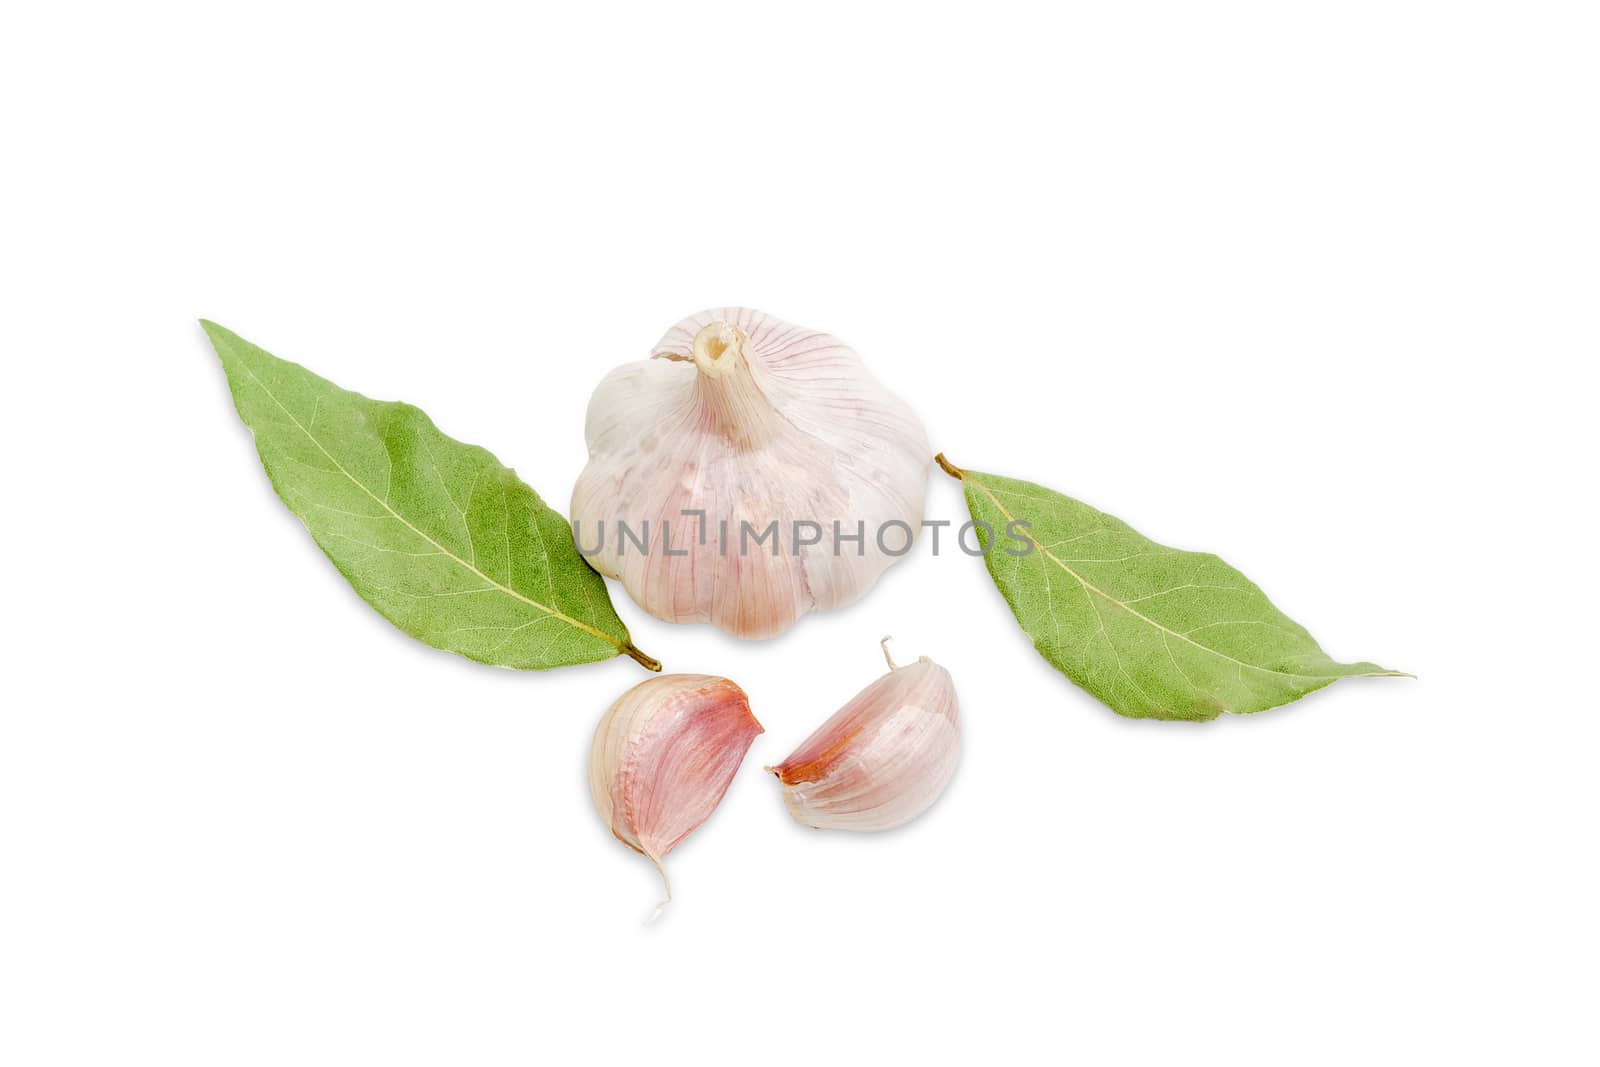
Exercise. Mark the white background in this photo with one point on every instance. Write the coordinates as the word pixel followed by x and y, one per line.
pixel 1312 286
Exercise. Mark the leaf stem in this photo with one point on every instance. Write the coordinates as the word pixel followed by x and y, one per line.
pixel 649 663
pixel 949 468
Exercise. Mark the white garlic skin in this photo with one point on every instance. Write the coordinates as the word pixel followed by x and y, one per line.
pixel 883 758
pixel 663 756
pixel 750 420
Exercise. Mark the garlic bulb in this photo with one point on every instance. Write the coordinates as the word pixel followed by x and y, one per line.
pixel 750 472
pixel 663 756
pixel 882 759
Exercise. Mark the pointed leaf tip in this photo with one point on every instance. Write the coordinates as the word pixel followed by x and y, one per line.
pixel 1154 632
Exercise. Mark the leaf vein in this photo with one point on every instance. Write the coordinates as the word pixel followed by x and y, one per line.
pixel 384 501
pixel 1097 591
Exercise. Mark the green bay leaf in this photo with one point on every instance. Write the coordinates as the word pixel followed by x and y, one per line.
pixel 1154 632
pixel 448 544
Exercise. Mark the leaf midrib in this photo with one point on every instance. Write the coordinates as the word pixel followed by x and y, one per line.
pixel 383 503
pixel 1092 588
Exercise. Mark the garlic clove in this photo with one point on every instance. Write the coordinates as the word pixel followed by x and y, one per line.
pixel 742 422
pixel 883 758
pixel 663 756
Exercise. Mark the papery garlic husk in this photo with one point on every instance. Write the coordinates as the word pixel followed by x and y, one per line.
pixel 748 420
pixel 883 758
pixel 663 756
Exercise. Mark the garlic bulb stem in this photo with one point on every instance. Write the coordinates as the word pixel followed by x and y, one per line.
pixel 884 644
pixel 731 401
pixel 718 347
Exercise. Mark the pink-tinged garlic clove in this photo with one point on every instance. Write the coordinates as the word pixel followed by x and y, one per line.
pixel 664 755
pixel 769 474
pixel 883 758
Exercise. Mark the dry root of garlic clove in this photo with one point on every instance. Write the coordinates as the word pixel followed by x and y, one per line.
pixel 882 759
pixel 663 756
pixel 768 472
